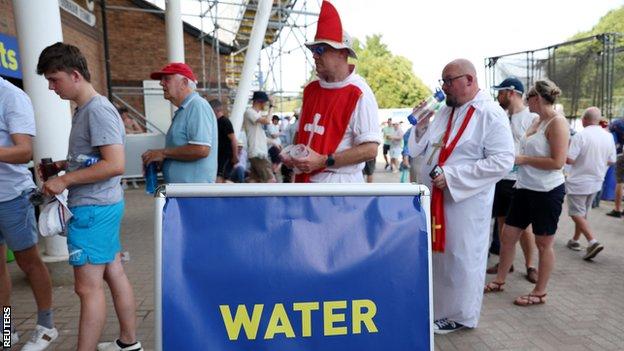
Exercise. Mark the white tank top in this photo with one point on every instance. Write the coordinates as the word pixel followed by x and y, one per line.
pixel 533 178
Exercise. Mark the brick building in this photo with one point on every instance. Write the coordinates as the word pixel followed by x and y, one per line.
pixel 137 46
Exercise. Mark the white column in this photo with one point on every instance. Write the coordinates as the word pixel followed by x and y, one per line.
pixel 175 35
pixel 38 25
pixel 251 60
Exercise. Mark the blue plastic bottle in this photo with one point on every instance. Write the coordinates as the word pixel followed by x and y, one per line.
pixel 151 179
pixel 431 105
pixel 86 160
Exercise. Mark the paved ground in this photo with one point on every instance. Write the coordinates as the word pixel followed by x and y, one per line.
pixel 585 308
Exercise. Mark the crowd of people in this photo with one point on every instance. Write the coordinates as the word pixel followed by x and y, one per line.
pixel 481 158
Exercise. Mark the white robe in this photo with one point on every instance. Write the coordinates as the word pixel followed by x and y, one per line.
pixel 483 155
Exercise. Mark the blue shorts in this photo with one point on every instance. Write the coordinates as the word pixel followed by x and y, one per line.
pixel 93 234
pixel 18 226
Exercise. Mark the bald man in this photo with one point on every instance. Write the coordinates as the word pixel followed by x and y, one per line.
pixel 467 148
pixel 591 151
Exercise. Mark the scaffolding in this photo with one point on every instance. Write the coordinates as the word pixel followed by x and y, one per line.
pixel 223 26
pixel 585 70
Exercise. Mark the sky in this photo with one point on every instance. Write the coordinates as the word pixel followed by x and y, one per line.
pixel 433 33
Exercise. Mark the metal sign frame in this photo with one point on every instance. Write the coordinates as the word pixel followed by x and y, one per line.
pixel 259 190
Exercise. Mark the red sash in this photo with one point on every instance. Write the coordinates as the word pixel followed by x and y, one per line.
pixel 438 221
pixel 335 106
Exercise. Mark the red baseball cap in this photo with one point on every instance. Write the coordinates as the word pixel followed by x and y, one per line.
pixel 175 68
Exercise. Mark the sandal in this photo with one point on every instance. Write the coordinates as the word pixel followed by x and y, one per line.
pixel 493 287
pixel 530 300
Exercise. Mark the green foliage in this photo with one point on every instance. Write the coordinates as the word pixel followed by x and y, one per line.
pixel 390 77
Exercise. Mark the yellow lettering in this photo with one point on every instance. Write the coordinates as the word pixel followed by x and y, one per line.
pixel 3 55
pixel 12 60
pixel 241 319
pixel 306 309
pixel 359 317
pixel 329 317
pixel 279 323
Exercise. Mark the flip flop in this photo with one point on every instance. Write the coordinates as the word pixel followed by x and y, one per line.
pixel 530 300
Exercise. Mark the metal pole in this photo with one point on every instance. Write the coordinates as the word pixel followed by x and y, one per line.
pixel 251 58
pixel 217 49
pixel 159 204
pixel 109 83
pixel 38 25
pixel 201 38
pixel 175 35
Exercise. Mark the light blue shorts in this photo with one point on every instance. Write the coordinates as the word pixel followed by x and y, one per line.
pixel 18 227
pixel 93 234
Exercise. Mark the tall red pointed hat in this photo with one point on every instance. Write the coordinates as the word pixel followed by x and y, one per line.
pixel 329 30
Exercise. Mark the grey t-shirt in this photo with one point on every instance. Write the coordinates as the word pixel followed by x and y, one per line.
pixel 95 124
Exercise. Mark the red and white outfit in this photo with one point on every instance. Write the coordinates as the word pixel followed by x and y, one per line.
pixel 348 117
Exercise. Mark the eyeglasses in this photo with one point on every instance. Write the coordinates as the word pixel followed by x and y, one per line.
pixel 449 81
pixel 530 95
pixel 319 50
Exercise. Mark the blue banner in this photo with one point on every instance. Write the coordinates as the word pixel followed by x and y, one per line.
pixel 295 273
pixel 9 57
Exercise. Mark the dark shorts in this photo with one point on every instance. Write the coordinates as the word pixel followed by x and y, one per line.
pixel 369 167
pixel 386 148
pixel 539 208
pixel 274 152
pixel 502 198
pixel 224 168
pixel 619 169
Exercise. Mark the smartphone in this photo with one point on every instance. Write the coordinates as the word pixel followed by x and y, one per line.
pixel 436 171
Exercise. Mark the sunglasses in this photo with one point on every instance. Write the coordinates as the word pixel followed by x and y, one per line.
pixel 319 50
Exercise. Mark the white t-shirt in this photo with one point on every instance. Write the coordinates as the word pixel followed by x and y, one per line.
pixel 591 149
pixel 520 122
pixel 363 127
pixel 256 137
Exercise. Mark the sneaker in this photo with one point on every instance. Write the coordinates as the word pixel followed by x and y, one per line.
pixel 387 166
pixel 615 214
pixel 113 346
pixel 445 326
pixel 573 245
pixel 41 338
pixel 592 251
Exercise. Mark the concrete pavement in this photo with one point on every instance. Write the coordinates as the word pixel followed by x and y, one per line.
pixel 584 310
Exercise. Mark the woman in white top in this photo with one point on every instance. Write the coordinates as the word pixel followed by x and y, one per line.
pixel 539 190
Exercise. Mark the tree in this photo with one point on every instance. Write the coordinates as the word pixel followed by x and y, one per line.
pixel 390 77
pixel 578 67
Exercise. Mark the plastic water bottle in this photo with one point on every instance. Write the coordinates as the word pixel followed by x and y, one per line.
pixel 86 160
pixel 151 179
pixel 428 108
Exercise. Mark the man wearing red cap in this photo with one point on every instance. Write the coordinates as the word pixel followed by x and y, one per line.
pixel 339 122
pixel 190 153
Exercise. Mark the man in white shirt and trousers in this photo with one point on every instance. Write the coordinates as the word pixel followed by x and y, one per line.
pixel 465 157
pixel 591 151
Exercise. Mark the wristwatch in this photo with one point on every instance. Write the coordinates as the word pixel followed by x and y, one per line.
pixel 330 160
